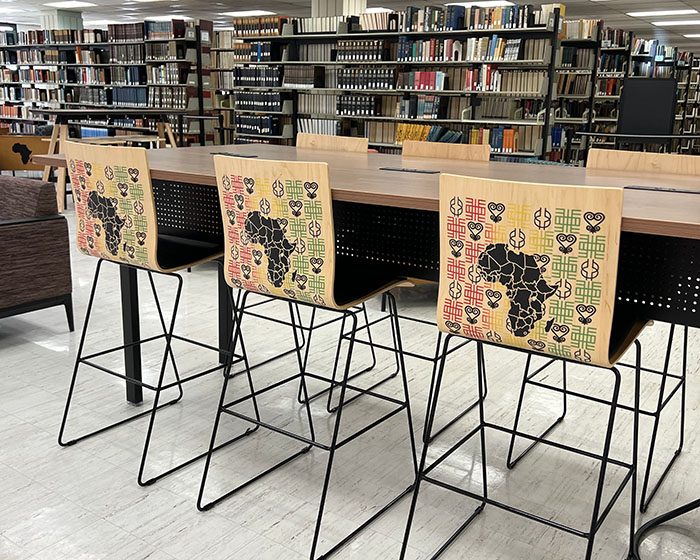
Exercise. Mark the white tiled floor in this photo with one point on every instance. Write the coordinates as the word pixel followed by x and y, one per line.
pixel 83 502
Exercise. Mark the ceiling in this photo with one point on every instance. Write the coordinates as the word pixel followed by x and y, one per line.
pixel 613 12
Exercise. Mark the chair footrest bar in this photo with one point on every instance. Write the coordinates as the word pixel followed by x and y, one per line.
pixel 613 500
pixel 276 429
pixel 369 426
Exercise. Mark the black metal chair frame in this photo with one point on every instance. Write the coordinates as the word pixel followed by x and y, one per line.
pixel 655 413
pixel 310 441
pixel 597 518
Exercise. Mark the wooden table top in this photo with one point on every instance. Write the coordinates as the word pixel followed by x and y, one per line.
pixel 358 178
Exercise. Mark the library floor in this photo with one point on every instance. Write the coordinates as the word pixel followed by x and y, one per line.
pixel 83 502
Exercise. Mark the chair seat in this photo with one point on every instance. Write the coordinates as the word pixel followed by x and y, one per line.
pixel 176 253
pixel 359 279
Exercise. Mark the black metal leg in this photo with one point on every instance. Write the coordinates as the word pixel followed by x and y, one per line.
pixel 225 315
pixel 68 303
pixel 510 462
pixel 132 332
pixel 645 499
pixel 645 529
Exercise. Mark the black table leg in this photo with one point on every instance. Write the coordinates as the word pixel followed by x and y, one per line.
pixel 132 332
pixel 654 523
pixel 225 316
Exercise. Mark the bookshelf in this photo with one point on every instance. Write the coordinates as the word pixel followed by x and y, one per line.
pixel 398 80
pixel 140 65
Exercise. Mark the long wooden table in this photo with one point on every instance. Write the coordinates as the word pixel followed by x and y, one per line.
pixel 358 178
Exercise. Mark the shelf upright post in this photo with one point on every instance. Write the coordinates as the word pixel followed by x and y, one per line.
pixel 551 70
pixel 594 84
pixel 200 85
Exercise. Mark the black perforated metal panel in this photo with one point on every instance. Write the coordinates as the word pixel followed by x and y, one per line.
pixel 188 209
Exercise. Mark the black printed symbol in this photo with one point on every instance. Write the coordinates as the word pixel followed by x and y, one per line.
pixel 542 260
pixel 82 182
pixel 314 228
pixel 283 222
pixel 235 253
pixel 496 210
pixel 130 250
pixel 301 245
pixel 231 216
pixel 123 188
pixel 455 289
pixel 23 151
pixel 133 173
pixel 566 242
pixel 517 238
pixel 475 229
pixel 494 296
pixel 542 218
pixel 141 237
pixel 559 332
pixel 472 314
pixel 594 219
pixel 245 269
pixel 138 207
pixel 100 187
pixel 456 245
pixel 311 188
pixel 226 182
pixel 265 206
pixel 263 288
pixel 128 222
pixel 526 288
pixel 237 282
pixel 257 256
pixel 319 300
pixel 77 196
pixel 296 206
pixel 585 313
pixel 590 269
pixel 72 165
pixel 278 189
pixel 88 168
pixel 301 280
pixel 493 336
pixel 109 173
pixel 290 293
pixel 456 207
pixel 98 229
pixel 240 201
pixel 316 264
pixel 249 184
pixel 537 345
pixel 563 288
pixel 91 242
pixel 453 327
pixel 582 356
pixel 474 273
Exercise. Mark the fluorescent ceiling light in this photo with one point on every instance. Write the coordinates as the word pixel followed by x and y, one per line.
pixel 100 23
pixel 681 22
pixel 166 18
pixel 693 36
pixel 70 4
pixel 377 10
pixel 246 13
pixel 655 13
pixel 485 4
pixel 11 10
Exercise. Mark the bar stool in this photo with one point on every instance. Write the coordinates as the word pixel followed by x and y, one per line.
pixel 654 163
pixel 285 210
pixel 116 222
pixel 527 279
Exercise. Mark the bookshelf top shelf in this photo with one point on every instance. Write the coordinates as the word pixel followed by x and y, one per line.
pixel 530 63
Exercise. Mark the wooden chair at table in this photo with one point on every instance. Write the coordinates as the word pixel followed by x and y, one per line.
pixel 533 267
pixel 334 143
pixel 283 210
pixel 116 222
pixel 442 150
pixel 654 163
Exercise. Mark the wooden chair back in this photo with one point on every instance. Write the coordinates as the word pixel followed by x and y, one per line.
pixel 530 266
pixel 335 143
pixel 278 228
pixel 16 152
pixel 643 162
pixel 465 152
pixel 114 206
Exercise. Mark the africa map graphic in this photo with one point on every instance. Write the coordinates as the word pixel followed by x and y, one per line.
pixel 269 233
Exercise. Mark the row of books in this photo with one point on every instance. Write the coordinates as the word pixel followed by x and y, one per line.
pixel 429 80
pixel 173 29
pixel 457 17
pixel 609 86
pixel 174 98
pixel 315 51
pixel 126 31
pixel 580 29
pixel 53 36
pixel 253 26
pixel 576 57
pixel 91 96
pixel 612 62
pixel 422 107
pixel 318 104
pixel 489 78
pixel 128 75
pixel 572 84
pixel 126 54
pixel 365 78
pixel 168 73
pixel 253 77
pixel 261 101
pixel 303 77
pixel 572 109
pixel 499 49
pixel 374 49
pixel 254 124
pixel 507 108
pixel 354 105
pixel 163 51
pixel 318 126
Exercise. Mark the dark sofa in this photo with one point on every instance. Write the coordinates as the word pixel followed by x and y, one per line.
pixel 35 270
